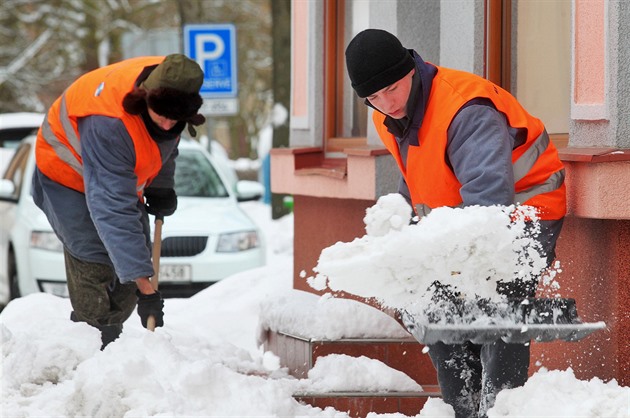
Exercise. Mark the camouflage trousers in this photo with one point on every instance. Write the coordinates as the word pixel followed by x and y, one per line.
pixel 96 295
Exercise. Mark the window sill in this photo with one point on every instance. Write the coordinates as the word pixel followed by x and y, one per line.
pixel 593 155
pixel 330 167
pixel 307 171
pixel 597 182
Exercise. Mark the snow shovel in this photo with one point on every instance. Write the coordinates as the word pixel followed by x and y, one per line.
pixel 157 249
pixel 517 321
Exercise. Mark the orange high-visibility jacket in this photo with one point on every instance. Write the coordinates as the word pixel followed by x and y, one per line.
pixel 538 172
pixel 99 92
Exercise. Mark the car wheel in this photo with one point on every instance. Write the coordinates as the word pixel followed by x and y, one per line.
pixel 14 287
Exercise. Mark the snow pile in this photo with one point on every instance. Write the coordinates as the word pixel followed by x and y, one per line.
pixel 52 366
pixel 304 314
pixel 342 373
pixel 53 358
pixel 559 394
pixel 205 361
pixel 434 407
pixel 469 249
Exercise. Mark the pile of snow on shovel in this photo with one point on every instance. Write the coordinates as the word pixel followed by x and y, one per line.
pixel 469 249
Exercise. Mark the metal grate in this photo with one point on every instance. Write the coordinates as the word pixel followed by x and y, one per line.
pixel 183 246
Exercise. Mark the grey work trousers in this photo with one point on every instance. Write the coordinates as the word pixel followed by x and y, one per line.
pixel 471 375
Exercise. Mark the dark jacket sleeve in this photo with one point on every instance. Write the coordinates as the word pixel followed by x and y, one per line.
pixel 166 177
pixel 110 187
pixel 480 145
pixel 480 153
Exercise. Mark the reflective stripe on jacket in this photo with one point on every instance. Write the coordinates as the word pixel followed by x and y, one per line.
pixel 99 92
pixel 538 172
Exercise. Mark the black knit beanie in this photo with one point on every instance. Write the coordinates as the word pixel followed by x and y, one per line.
pixel 376 59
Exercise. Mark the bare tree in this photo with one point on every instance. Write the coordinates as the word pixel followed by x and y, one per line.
pixel 46 44
pixel 281 15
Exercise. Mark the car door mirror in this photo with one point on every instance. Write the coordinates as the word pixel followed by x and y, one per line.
pixel 247 190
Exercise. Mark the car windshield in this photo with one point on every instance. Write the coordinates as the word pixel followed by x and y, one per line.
pixel 196 177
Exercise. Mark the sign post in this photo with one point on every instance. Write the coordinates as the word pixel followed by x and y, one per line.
pixel 213 47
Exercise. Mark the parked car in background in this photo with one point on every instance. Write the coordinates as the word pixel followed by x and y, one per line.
pixel 13 128
pixel 208 238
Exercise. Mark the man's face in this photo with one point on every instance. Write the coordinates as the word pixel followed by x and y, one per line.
pixel 392 100
pixel 161 121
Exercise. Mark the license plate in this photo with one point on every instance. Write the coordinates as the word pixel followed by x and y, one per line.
pixel 175 273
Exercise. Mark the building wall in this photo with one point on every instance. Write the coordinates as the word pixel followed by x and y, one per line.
pixel 326 231
pixel 595 244
pixel 593 255
pixel 600 108
pixel 418 27
pixel 594 247
pixel 462 35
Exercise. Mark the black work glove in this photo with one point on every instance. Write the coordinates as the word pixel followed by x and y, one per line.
pixel 160 202
pixel 151 305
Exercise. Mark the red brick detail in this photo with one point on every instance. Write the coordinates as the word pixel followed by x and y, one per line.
pixel 360 406
pixel 324 348
pixel 299 355
pixel 411 406
pixel 406 357
pixel 342 404
pixel 409 358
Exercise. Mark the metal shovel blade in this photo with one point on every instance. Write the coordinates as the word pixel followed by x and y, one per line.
pixel 457 334
pixel 518 321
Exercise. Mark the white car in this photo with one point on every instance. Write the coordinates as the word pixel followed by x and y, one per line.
pixel 208 238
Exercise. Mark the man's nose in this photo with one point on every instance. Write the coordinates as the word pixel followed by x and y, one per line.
pixel 387 106
pixel 168 124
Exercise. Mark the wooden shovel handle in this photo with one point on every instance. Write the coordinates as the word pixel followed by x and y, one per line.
pixel 157 249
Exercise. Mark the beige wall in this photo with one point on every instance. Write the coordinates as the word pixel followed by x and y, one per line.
pixel 543 61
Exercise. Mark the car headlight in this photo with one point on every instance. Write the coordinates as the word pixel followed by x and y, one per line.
pixel 46 241
pixel 237 241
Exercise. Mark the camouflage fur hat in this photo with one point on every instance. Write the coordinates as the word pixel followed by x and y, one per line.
pixel 177 72
pixel 173 88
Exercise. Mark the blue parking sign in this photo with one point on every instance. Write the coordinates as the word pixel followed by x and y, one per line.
pixel 213 47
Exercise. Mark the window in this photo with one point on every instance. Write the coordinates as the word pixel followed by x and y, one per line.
pixel 528 54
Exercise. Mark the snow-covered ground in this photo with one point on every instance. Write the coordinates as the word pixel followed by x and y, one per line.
pixel 206 360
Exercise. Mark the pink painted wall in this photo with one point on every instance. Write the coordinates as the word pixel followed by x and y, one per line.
pixel 589 50
pixel 299 54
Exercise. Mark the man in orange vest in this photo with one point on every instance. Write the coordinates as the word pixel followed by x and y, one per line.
pixel 460 140
pixel 107 144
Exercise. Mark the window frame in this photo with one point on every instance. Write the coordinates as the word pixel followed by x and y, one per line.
pixel 335 142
